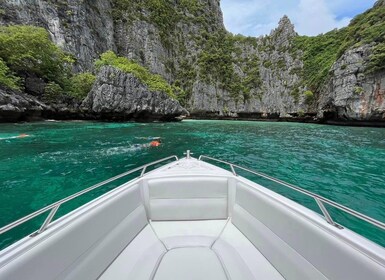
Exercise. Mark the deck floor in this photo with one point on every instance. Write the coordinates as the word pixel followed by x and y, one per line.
pixel 191 250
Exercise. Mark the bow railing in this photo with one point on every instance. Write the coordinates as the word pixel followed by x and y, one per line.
pixel 55 206
pixel 320 200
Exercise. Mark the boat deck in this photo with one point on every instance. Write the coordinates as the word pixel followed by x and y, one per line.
pixel 191 250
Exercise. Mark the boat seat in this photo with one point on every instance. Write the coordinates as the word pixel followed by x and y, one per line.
pixel 190 264
pixel 188 233
pixel 216 250
pixel 186 199
pixel 139 260
pixel 241 259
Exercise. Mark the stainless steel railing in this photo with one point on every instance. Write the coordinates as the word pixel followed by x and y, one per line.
pixel 318 199
pixel 55 206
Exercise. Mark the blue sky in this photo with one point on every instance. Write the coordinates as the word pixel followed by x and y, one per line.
pixel 310 17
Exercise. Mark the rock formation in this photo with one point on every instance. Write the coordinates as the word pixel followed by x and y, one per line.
pixel 120 96
pixel 16 106
pixel 351 93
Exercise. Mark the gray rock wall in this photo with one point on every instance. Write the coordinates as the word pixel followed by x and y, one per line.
pixel 120 96
pixel 16 106
pixel 352 93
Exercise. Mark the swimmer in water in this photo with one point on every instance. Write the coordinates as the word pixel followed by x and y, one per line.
pixel 22 135
pixel 15 137
pixel 156 142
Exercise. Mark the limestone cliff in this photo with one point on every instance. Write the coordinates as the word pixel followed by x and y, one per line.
pixel 222 75
pixel 351 93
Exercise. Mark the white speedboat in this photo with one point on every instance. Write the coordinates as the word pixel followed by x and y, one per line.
pixel 189 220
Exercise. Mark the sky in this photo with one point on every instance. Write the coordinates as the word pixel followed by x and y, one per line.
pixel 310 17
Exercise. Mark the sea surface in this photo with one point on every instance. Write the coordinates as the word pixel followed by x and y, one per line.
pixel 56 159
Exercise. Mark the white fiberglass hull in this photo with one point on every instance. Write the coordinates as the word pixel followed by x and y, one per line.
pixel 192 220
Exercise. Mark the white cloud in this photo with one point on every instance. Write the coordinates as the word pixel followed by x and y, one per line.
pixel 314 17
pixel 310 17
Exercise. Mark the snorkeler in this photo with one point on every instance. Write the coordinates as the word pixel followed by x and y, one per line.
pixel 156 142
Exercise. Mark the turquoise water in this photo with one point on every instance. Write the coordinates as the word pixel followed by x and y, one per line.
pixel 346 164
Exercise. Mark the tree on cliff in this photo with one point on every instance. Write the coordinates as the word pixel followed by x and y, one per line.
pixel 27 50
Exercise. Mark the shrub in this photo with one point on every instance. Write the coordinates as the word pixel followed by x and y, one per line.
pixel 81 84
pixel 358 90
pixel 309 96
pixel 52 91
pixel 153 81
pixel 301 113
pixel 295 93
pixel 267 64
pixel 377 59
pixel 28 49
pixel 6 78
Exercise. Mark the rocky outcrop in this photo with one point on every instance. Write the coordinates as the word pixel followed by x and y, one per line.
pixel 16 106
pixel 120 96
pixel 351 93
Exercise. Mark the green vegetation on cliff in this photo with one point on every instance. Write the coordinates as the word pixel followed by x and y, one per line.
pixel 28 51
pixel 377 59
pixel 6 78
pixel 153 81
pixel 320 52
pixel 216 60
pixel 309 96
pixel 164 14
pixel 219 58
pixel 366 28
pixel 81 84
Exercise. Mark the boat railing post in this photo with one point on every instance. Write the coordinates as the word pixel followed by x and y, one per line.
pixel 47 220
pixel 143 171
pixel 325 212
pixel 233 170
